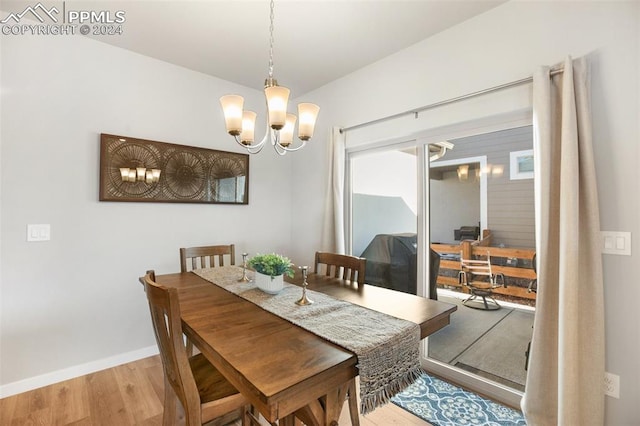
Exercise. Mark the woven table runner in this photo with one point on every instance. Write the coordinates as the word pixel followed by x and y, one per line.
pixel 387 347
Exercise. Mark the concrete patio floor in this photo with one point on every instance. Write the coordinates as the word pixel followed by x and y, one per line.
pixel 491 344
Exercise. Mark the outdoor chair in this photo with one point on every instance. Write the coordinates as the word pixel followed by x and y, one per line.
pixel 476 274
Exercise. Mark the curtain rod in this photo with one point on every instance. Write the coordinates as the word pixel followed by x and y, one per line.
pixel 415 111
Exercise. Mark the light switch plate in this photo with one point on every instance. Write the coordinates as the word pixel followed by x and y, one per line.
pixel 616 243
pixel 39 232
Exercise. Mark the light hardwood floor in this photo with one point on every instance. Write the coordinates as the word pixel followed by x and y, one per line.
pixel 130 394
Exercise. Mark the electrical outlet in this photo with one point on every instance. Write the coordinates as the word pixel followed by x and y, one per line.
pixel 612 385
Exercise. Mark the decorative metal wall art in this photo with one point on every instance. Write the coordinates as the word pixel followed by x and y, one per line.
pixel 142 170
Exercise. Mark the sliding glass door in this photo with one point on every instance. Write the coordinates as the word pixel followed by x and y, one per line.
pixel 458 197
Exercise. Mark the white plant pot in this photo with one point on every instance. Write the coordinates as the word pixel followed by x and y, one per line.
pixel 268 284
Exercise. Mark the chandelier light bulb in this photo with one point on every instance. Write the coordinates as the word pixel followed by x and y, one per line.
pixel 286 134
pixel 248 127
pixel 277 99
pixel 232 107
pixel 308 114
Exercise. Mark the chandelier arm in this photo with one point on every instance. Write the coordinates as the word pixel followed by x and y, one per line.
pixel 252 149
pixel 275 142
pixel 256 150
pixel 287 149
pixel 265 138
pixel 237 139
pixel 279 149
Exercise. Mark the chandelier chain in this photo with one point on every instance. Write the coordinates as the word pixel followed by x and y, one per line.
pixel 271 40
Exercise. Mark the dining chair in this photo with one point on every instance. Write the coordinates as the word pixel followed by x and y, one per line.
pixel 205 256
pixel 350 268
pixel 342 266
pixel 203 392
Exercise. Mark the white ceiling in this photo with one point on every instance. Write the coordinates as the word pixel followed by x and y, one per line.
pixel 315 41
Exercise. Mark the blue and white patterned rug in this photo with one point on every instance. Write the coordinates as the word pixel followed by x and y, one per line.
pixel 443 404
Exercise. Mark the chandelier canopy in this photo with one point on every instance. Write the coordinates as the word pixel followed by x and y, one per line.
pixel 280 125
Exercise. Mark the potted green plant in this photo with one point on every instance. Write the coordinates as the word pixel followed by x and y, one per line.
pixel 270 269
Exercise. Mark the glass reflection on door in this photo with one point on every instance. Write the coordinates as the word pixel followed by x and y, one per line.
pixel 384 206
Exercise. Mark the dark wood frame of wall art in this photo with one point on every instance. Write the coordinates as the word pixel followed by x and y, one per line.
pixel 188 174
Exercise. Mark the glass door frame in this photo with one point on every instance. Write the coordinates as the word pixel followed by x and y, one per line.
pixel 421 141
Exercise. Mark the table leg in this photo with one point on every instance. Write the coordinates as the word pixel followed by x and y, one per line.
pixel 326 410
pixel 289 420
pixel 354 410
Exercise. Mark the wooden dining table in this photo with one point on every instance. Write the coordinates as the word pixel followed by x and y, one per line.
pixel 284 370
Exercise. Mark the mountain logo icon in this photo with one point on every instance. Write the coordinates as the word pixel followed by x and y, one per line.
pixel 36 11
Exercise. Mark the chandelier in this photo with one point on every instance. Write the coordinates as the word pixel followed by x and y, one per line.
pixel 280 125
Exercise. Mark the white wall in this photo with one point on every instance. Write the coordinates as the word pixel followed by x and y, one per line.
pixel 75 300
pixel 502 45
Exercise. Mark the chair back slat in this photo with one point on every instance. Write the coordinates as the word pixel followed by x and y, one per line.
pixel 342 266
pixel 205 256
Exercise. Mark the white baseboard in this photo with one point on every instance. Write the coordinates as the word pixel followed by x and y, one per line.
pixel 78 370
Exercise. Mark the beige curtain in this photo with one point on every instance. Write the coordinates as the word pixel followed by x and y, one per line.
pixel 566 365
pixel 333 234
